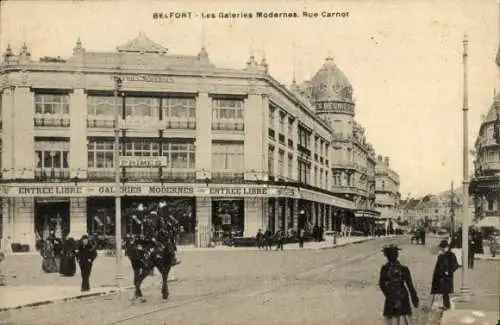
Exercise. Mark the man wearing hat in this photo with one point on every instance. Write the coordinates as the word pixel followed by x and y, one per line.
pixel 397 286
pixel 442 277
pixel 86 255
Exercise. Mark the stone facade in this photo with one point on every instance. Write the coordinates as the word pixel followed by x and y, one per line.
pixel 240 149
pixel 387 195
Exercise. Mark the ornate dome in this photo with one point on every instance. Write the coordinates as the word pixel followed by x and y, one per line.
pixel 330 84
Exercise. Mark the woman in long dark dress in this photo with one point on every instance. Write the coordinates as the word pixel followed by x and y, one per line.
pixel 68 258
pixel 397 286
pixel 442 277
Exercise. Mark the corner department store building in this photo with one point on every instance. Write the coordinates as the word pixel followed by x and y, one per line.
pixel 236 147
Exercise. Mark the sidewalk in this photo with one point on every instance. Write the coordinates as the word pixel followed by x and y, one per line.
pixel 27 286
pixel 482 308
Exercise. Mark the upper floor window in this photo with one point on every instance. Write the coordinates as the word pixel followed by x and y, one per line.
pixel 228 156
pixel 272 116
pixel 178 108
pixel 142 148
pixel 100 154
pixel 52 154
pixel 179 155
pixel 227 109
pixel 101 105
pixel 270 160
pixel 142 107
pixel 51 104
pixel 290 128
pixel 304 137
pixel 290 165
pixel 282 122
pixel 281 163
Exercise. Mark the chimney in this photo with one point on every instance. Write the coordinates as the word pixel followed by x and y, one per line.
pixel 379 157
pixel 386 159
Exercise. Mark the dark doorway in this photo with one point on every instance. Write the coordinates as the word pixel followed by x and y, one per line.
pixel 52 216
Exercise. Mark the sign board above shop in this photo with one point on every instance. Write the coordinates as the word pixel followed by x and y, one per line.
pixel 137 161
pixel 84 189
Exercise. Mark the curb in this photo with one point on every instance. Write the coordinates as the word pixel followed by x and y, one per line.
pixel 343 244
pixel 80 296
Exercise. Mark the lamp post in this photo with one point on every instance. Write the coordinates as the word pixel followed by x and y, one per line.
pixel 118 82
pixel 464 289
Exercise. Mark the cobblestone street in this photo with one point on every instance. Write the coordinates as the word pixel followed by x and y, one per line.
pixel 337 286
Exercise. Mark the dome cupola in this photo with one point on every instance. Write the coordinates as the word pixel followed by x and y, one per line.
pixel 331 90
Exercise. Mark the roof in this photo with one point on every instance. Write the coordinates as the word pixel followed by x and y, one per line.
pixel 141 44
pixel 330 84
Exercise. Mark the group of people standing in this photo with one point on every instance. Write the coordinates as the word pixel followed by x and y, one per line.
pixel 66 253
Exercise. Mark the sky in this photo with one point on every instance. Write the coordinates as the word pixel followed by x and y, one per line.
pixel 404 59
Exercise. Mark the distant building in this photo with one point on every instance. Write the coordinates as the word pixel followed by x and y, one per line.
pixel 387 195
pixel 485 185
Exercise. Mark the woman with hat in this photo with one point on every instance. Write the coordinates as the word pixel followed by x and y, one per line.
pixel 442 277
pixel 86 255
pixel 397 286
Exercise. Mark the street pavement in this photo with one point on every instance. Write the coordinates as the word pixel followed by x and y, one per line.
pixel 337 286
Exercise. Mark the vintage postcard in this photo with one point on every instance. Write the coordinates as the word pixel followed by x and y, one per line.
pixel 249 162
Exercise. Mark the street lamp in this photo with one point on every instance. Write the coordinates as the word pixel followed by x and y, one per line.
pixel 118 83
pixel 464 289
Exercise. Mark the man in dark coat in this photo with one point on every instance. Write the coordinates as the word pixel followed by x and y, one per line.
pixel 475 245
pixel 86 255
pixel 301 237
pixel 280 238
pixel 268 239
pixel 442 277
pixel 397 286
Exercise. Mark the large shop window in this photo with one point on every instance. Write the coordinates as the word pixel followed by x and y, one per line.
pixel 227 160
pixel 227 114
pixel 228 217
pixel 100 154
pixel 52 159
pixel 101 111
pixel 179 155
pixel 142 148
pixel 179 108
pixel 142 107
pixel 51 104
pixel 52 110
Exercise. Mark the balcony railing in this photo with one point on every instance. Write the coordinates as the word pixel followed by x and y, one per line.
pixel 52 120
pixel 98 122
pixel 230 125
pixel 343 165
pixel 188 123
pixel 348 189
pixel 228 177
pixel 51 174
pixel 493 165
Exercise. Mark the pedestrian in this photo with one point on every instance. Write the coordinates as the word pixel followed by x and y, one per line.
pixel 280 237
pixel 68 259
pixel 442 277
pixel 475 245
pixel 301 238
pixel 268 239
pixel 260 239
pixel 86 255
pixel 397 286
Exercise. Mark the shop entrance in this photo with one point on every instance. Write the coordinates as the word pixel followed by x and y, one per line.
pixel 52 216
pixel 228 218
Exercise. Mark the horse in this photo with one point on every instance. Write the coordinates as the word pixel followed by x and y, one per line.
pixel 150 250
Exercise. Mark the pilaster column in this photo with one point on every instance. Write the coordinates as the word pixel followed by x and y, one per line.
pixel 287 212
pixel 295 138
pixel 204 224
pixel 78 134
pixel 277 212
pixel 203 136
pixel 255 137
pixel 23 142
pixel 295 214
pixel 8 134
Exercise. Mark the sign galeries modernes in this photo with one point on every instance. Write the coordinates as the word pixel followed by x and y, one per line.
pixel 86 190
